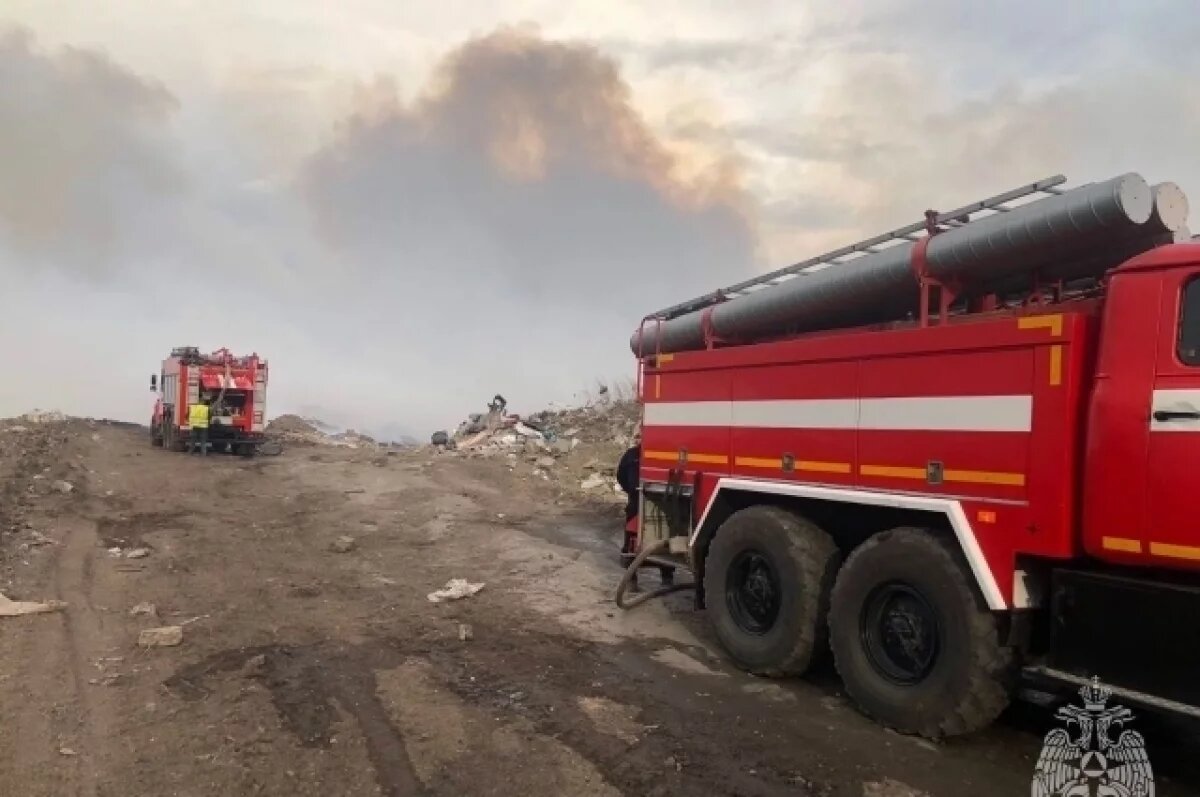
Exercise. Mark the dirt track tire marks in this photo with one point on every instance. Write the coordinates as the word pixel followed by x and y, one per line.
pixel 305 684
pixel 75 583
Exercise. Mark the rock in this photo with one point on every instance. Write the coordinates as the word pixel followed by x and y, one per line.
pixel 592 464
pixel 167 636
pixel 343 544
pixel 593 482
pixel 547 463
pixel 144 610
pixel 137 553
pixel 63 487
pixel 465 634
pixel 439 438
pixel 67 751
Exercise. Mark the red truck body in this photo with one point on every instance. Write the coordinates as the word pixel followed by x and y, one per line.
pixel 237 384
pixel 1055 442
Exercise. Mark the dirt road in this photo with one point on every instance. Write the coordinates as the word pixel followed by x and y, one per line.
pixel 308 671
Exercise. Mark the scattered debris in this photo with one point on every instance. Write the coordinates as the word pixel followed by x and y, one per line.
pixel 343 544
pixel 594 482
pixel 144 610
pixel 890 788
pixel 43 416
pixel 612 718
pixel 167 636
pixel 11 608
pixel 465 633
pixel 455 589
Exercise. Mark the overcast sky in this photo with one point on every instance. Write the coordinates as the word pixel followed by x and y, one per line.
pixel 410 206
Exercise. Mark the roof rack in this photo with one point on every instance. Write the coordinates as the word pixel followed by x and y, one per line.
pixel 848 254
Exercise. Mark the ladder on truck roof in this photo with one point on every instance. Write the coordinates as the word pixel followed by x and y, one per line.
pixel 958 217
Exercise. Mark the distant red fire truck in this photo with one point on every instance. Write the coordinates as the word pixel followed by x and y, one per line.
pixel 958 454
pixel 235 386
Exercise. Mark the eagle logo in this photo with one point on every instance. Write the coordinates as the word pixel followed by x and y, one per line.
pixel 1084 760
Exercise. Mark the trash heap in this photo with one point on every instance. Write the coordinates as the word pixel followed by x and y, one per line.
pixel 297 431
pixel 577 447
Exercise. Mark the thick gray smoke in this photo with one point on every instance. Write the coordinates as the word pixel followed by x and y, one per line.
pixel 502 232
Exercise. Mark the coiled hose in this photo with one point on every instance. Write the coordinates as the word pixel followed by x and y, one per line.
pixel 631 571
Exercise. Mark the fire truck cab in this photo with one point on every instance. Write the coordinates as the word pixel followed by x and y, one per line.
pixel 996 491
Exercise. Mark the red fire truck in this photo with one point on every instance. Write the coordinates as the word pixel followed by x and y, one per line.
pixel 236 388
pixel 958 455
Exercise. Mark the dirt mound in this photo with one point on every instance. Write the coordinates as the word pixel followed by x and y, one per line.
pixel 290 424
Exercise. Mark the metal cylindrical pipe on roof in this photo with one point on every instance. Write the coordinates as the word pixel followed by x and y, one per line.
pixel 882 287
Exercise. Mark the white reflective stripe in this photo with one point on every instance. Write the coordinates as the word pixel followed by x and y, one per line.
pixel 688 413
pixel 951 508
pixel 1175 400
pixel 800 414
pixel 935 414
pixel 949 414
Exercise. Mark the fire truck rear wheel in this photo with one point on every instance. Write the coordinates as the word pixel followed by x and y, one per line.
pixel 912 640
pixel 767 577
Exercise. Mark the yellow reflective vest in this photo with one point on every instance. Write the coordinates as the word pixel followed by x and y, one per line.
pixel 198 416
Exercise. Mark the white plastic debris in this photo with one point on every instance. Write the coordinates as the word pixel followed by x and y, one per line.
pixel 63 487
pixel 168 636
pixel 593 482
pixel 137 553
pixel 526 431
pixel 455 589
pixel 11 608
pixel 144 609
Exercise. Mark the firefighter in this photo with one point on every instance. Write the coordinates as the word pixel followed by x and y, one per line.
pixel 199 415
pixel 628 476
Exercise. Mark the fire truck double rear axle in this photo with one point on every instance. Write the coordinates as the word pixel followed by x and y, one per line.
pixel 954 455
pixel 236 388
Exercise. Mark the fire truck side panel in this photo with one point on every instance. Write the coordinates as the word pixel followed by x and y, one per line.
pixel 688 422
pixel 985 415
pixel 792 422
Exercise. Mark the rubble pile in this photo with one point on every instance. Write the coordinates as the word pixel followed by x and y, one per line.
pixel 577 447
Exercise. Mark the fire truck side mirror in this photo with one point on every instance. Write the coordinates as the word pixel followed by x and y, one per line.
pixel 153 382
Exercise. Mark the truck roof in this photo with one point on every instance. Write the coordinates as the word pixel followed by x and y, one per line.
pixel 1163 257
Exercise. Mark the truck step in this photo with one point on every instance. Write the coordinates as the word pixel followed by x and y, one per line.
pixel 1131 696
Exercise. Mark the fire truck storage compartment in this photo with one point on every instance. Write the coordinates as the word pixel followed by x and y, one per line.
pixel 1131 632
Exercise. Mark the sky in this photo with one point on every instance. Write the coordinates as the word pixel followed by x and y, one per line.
pixel 408 207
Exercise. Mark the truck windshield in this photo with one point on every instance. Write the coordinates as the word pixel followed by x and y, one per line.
pixel 1189 323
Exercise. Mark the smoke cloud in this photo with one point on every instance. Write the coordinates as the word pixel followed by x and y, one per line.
pixel 504 231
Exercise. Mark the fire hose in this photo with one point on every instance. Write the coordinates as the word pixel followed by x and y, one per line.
pixel 631 572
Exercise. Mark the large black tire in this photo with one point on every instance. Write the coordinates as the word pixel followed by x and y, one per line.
pixel 916 647
pixel 765 550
